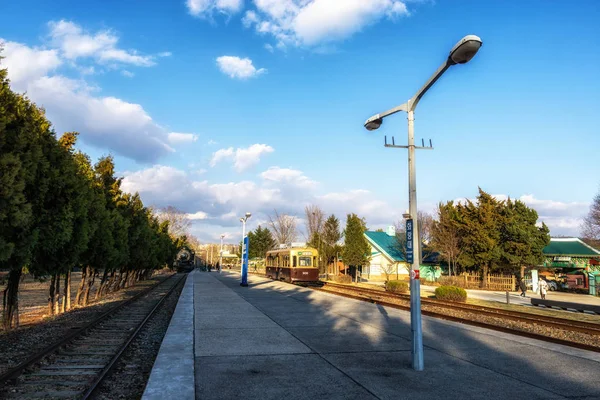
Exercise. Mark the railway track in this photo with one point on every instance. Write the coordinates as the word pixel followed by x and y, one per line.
pixel 553 322
pixel 74 367
pixel 379 297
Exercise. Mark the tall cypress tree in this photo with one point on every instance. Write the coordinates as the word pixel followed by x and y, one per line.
pixel 480 231
pixel 356 248
pixel 522 241
pixel 23 168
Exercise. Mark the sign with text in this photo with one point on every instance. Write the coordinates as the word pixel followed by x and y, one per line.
pixel 409 241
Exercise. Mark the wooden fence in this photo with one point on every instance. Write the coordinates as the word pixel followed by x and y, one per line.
pixel 490 281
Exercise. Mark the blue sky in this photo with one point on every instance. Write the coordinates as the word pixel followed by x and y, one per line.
pixel 225 106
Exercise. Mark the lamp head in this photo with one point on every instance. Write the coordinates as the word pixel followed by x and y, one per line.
pixel 373 123
pixel 248 215
pixel 242 220
pixel 464 50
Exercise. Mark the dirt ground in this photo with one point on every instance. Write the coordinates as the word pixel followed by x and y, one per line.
pixel 33 296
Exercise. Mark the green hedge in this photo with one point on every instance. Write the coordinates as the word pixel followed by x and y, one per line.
pixel 451 293
pixel 396 286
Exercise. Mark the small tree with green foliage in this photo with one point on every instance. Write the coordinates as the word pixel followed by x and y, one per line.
pixel 356 248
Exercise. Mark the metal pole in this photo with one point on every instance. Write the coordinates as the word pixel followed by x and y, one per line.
pixel 221 255
pixel 243 237
pixel 415 284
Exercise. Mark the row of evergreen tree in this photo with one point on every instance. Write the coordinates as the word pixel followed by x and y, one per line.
pixel 489 234
pixel 484 235
pixel 59 212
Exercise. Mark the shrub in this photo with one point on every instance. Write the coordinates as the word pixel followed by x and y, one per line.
pixel 457 281
pixel 342 279
pixel 396 286
pixel 451 293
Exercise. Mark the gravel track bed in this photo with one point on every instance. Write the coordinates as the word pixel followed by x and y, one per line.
pixel 19 344
pixel 128 377
pixel 558 333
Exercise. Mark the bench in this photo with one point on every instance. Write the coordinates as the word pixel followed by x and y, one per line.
pixel 563 305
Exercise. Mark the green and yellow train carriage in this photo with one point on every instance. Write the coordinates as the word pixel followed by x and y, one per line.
pixel 293 263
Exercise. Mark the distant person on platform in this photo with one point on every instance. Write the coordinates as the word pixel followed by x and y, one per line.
pixel 218 266
pixel 543 288
pixel 523 287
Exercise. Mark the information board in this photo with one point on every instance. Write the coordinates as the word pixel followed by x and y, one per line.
pixel 409 241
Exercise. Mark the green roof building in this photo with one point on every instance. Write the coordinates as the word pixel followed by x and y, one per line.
pixel 387 259
pixel 571 253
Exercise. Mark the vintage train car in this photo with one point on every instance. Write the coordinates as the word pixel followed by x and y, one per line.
pixel 293 263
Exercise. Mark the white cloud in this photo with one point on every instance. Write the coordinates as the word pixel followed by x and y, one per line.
pixel 197 216
pixel 239 68
pixel 28 63
pixel 72 105
pixel 211 142
pixel 127 74
pixel 218 206
pixel 288 176
pixel 561 217
pixel 76 43
pixel 180 138
pixel 310 22
pixel 206 8
pixel 165 54
pixel 243 158
pixel 220 155
pixel 157 179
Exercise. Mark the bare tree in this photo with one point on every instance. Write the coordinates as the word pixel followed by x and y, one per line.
pixel 445 236
pixel 283 227
pixel 425 221
pixel 389 270
pixel 179 223
pixel 315 219
pixel 590 229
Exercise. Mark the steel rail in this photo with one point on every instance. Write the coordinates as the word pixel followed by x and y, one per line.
pixel 553 322
pixel 92 389
pixel 14 372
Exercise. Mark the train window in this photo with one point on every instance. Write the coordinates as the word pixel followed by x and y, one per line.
pixel 304 261
pixel 295 261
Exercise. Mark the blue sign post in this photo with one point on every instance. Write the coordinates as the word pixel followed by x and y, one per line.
pixel 409 241
pixel 245 263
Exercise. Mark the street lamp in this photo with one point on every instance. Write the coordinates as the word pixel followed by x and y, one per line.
pixel 221 254
pixel 462 52
pixel 244 268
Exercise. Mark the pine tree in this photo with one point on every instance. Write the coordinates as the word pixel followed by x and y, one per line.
pixel 521 240
pixel 356 248
pixel 261 241
pixel 480 232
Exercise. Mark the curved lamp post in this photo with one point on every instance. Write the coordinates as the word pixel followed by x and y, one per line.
pixel 244 268
pixel 461 53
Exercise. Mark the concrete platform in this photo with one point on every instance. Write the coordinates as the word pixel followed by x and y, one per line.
pixel 272 340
